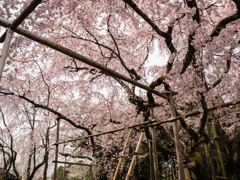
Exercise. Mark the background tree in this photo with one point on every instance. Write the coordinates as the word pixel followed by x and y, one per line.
pixel 201 41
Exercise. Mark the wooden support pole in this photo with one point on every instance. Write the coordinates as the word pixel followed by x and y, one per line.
pixel 117 169
pixel 79 57
pixel 176 139
pixel 154 147
pixel 123 153
pixel 5 49
pixel 75 156
pixel 64 167
pixel 28 10
pixel 92 135
pixel 187 174
pixel 56 152
pixel 151 159
pixel 194 113
pixel 62 162
pixel 134 156
pixel 150 124
pixel 172 168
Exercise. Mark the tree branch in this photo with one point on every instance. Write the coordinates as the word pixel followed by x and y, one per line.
pixel 54 112
pixel 166 35
pixel 203 119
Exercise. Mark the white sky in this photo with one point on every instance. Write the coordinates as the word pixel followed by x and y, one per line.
pixel 155 58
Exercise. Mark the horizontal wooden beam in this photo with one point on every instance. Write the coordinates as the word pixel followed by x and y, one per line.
pixel 75 156
pixel 92 135
pixel 28 10
pixel 79 57
pixel 194 113
pixel 154 123
pixel 79 164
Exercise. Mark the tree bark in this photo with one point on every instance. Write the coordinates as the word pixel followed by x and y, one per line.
pixel 218 150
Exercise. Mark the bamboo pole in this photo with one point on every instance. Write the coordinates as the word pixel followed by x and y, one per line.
pixel 172 168
pixel 56 152
pixel 92 135
pixel 194 113
pixel 5 49
pixel 154 148
pixel 117 169
pixel 218 150
pixel 76 156
pixel 62 162
pixel 28 10
pixel 79 57
pixel 151 159
pixel 123 153
pixel 150 124
pixel 64 168
pixel 187 174
pixel 176 139
pixel 134 156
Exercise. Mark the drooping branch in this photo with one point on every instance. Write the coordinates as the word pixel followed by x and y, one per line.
pixel 132 71
pixel 190 56
pixel 96 42
pixel 56 113
pixel 166 35
pixel 13 155
pixel 222 24
pixel 146 18
pixel 61 116
pixel 35 169
pixel 136 100
pixel 114 54
pixel 190 131
pixel 147 55
pixel 49 91
pixel 193 4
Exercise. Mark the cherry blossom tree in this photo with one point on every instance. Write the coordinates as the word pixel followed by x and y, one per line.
pixel 200 39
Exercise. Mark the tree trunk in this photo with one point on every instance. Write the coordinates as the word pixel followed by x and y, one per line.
pixel 218 150
pixel 208 151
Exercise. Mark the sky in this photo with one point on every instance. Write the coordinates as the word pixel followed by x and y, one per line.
pixel 156 55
